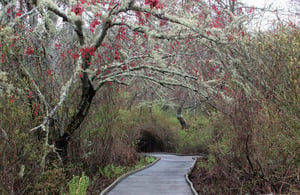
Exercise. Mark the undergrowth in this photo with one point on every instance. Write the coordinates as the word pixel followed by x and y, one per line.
pixel 256 139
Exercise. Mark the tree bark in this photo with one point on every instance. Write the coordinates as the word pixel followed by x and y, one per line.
pixel 83 107
pixel 180 118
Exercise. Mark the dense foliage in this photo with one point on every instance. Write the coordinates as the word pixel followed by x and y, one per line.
pixel 256 141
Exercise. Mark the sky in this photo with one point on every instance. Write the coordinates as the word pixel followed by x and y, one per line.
pixel 284 12
pixel 277 3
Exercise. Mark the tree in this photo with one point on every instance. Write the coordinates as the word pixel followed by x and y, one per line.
pixel 88 44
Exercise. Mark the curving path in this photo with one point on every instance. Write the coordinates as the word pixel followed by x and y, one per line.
pixel 166 177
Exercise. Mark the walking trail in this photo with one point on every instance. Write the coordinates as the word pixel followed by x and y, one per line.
pixel 166 177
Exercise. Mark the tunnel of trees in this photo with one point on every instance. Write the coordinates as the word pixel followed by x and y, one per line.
pixel 149 142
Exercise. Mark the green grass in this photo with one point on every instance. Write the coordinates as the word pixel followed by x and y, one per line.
pixel 112 171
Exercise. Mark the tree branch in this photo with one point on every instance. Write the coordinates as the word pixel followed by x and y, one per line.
pixel 77 24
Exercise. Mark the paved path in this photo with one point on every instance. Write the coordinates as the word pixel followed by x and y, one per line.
pixel 166 177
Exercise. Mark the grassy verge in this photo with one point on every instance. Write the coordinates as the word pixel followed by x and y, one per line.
pixel 111 172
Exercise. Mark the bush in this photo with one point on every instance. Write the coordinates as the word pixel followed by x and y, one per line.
pixel 52 181
pixel 21 150
pixel 196 138
pixel 111 171
pixel 256 143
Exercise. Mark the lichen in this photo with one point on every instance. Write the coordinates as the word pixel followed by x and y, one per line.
pixel 3 76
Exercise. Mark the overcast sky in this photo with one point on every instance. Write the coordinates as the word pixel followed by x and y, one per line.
pixel 260 3
pixel 284 12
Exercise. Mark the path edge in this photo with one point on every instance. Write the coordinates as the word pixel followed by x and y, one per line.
pixel 119 179
pixel 188 179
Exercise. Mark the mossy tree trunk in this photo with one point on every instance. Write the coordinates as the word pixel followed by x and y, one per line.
pixel 87 94
pixel 180 117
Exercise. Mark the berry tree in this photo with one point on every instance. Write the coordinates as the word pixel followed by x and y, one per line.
pixel 53 50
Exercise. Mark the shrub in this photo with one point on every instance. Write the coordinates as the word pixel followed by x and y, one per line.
pixel 111 171
pixel 52 181
pixel 196 138
pixel 21 150
pixel 256 139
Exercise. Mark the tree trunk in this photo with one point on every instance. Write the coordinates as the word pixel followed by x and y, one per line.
pixel 83 107
pixel 180 118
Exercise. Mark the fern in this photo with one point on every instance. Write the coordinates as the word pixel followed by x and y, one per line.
pixel 78 185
